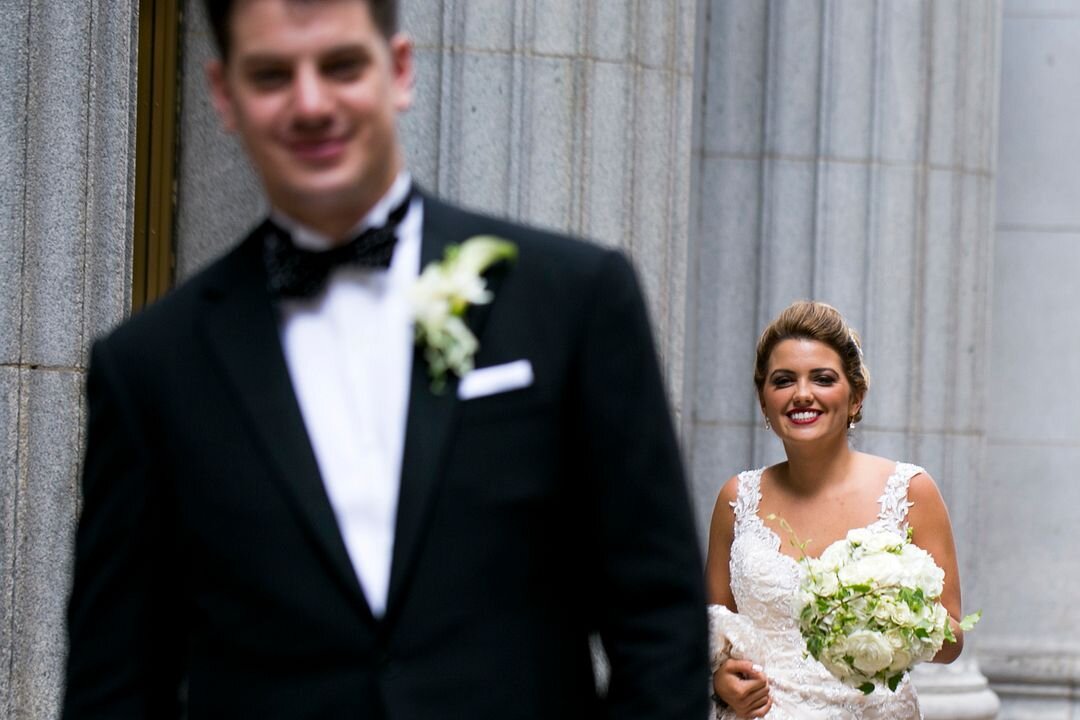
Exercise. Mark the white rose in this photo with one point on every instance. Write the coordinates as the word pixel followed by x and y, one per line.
pixel 940 619
pixel 903 654
pixel 873 569
pixel 900 613
pixel 902 661
pixel 834 557
pixel 875 541
pixel 884 609
pixel 833 660
pixel 871 651
pixel 921 571
pixel 823 582
pixel 931 579
pixel 861 608
pixel 891 611
pixel 859 536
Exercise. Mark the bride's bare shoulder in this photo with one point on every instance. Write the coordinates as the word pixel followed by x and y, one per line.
pixel 875 465
pixel 728 492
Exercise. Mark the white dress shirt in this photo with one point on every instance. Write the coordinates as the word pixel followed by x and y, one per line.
pixel 349 352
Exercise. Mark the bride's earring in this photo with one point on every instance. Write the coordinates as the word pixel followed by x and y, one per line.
pixel 851 423
pixel 768 425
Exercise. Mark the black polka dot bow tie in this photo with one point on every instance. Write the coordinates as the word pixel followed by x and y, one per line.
pixel 294 272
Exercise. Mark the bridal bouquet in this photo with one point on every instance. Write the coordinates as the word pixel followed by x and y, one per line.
pixel 870 609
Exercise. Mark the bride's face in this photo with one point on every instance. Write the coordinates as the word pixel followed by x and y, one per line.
pixel 806 395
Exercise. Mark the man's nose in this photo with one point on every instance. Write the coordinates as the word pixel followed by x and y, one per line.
pixel 311 95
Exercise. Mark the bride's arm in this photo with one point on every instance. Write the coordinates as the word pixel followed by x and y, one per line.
pixel 721 533
pixel 736 683
pixel 929 519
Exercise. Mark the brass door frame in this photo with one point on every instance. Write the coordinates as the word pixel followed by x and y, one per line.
pixel 153 251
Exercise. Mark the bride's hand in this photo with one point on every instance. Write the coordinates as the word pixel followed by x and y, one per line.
pixel 744 687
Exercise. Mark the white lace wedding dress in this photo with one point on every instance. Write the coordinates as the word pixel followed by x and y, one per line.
pixel 764 582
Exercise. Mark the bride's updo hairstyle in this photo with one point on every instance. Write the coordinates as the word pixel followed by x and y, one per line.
pixel 809 320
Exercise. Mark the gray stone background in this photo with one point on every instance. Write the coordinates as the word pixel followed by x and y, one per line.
pixel 913 162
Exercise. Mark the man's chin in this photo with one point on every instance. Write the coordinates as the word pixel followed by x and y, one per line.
pixel 320 199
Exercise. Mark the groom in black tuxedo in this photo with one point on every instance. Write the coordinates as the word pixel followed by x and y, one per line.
pixel 285 517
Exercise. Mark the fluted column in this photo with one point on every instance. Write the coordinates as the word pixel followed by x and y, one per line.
pixel 67 100
pixel 567 114
pixel 1030 647
pixel 847 155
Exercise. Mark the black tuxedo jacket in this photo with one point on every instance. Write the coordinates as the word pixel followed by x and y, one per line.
pixel 209 571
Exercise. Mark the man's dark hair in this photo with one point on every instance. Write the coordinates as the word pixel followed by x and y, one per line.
pixel 219 12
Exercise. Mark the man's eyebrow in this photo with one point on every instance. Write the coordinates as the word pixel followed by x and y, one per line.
pixel 269 56
pixel 347 49
pixel 263 58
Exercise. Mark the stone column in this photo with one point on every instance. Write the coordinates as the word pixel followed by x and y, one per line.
pixel 847 155
pixel 67 98
pixel 566 114
pixel 1030 647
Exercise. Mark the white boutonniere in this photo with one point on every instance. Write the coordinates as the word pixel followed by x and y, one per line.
pixel 442 294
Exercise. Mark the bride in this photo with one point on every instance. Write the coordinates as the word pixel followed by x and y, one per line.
pixel 811 383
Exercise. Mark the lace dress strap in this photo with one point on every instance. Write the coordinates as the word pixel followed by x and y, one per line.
pixel 747 494
pixel 894 500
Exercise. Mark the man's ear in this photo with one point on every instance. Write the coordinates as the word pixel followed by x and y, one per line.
pixel 220 95
pixel 402 70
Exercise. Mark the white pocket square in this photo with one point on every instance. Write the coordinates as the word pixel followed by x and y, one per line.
pixel 495 379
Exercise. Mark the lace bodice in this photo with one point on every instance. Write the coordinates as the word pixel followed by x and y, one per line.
pixel 764 582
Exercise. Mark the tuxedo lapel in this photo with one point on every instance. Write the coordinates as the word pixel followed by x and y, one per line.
pixel 427 430
pixel 431 416
pixel 242 331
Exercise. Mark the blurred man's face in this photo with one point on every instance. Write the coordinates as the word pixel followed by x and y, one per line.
pixel 313 89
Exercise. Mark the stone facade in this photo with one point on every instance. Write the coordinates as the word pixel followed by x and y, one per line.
pixel 744 154
pixel 848 151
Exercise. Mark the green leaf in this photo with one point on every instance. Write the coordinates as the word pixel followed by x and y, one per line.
pixel 895 680
pixel 969 620
pixel 867 688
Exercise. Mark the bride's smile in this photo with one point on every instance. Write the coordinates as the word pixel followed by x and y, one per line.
pixel 806 394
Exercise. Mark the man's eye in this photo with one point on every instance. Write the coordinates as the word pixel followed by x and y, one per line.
pixel 345 69
pixel 267 78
